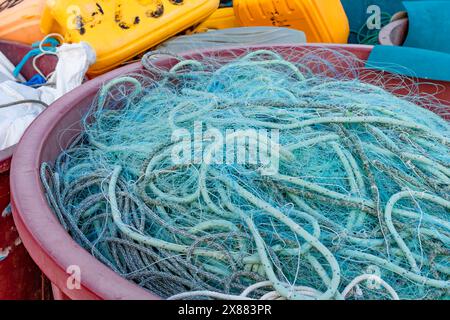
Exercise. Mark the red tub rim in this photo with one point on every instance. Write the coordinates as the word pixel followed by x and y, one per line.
pixel 49 244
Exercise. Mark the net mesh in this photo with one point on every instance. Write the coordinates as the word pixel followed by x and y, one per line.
pixel 342 191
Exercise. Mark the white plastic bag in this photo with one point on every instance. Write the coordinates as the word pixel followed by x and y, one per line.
pixel 73 63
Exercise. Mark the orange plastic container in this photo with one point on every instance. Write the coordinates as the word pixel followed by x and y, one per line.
pixel 321 20
pixel 21 23
pixel 121 29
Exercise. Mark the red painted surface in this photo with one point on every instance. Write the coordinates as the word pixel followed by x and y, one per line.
pixel 48 243
pixel 20 278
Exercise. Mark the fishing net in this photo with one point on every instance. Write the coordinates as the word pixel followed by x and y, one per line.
pixel 262 175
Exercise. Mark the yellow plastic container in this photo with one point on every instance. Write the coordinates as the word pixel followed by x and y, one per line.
pixel 21 23
pixel 118 30
pixel 222 18
pixel 321 20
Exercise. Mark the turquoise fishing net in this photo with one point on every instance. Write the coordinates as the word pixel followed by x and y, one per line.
pixel 353 204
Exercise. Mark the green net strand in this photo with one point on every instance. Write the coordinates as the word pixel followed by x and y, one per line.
pixel 367 36
pixel 357 208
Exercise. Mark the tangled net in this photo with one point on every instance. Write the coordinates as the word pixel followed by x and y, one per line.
pixel 358 207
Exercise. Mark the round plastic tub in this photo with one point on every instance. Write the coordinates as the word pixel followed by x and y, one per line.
pixel 19 276
pixel 48 243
